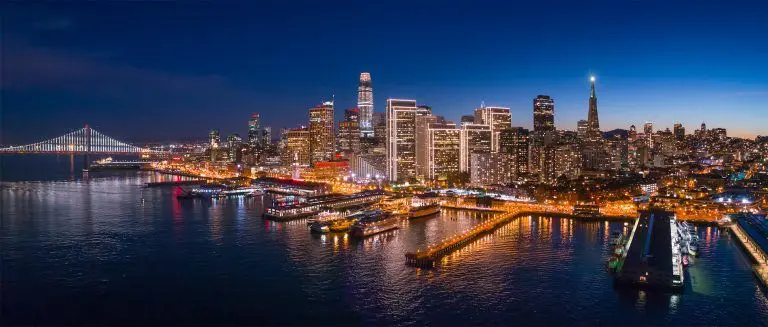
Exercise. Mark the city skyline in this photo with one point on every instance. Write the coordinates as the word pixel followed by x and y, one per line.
pixel 202 82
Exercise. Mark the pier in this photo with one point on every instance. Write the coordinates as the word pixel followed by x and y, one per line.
pixel 750 231
pixel 435 252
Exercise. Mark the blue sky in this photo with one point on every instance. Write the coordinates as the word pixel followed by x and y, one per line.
pixel 143 71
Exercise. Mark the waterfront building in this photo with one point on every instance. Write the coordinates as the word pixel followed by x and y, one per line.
pixel 515 142
pixel 254 130
pixel 442 150
pixel 297 147
pixel 497 118
pixel 401 139
pixel 543 114
pixel 321 132
pixel 474 138
pixel 370 166
pixel 365 105
pixel 422 144
pixel 490 169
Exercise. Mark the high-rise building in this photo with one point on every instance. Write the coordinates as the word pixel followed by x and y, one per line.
pixel 490 169
pixel 266 137
pixel 233 144
pixel 349 133
pixel 515 142
pixel 648 131
pixel 474 138
pixel 547 167
pixel 214 139
pixel 254 130
pixel 422 144
pixel 581 129
pixel 401 139
pixel 442 150
pixel 567 161
pixel 321 132
pixel 679 131
pixel 618 148
pixel 593 122
pixel 297 147
pixel 467 119
pixel 365 105
pixel 497 118
pixel 543 114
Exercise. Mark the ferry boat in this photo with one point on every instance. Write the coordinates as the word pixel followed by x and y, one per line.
pixel 374 222
pixel 320 227
pixel 220 191
pixel 586 210
pixel 424 210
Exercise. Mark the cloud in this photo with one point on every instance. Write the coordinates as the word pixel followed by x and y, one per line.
pixel 58 24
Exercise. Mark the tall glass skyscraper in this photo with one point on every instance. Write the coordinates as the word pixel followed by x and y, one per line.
pixel 365 104
pixel 543 114
pixel 254 130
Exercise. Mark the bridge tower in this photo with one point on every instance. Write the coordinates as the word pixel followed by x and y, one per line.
pixel 86 159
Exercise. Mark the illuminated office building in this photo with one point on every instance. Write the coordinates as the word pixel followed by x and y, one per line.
pixel 474 138
pixel 365 105
pixel 254 130
pixel 543 114
pixel 440 144
pixel 297 147
pixel 401 139
pixel 321 132
pixel 490 169
pixel 497 118
pixel 515 142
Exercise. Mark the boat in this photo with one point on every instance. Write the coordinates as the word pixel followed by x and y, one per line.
pixel 586 210
pixel 320 227
pixel 374 222
pixel 424 210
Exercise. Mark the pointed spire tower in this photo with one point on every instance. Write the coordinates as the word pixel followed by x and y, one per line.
pixel 593 122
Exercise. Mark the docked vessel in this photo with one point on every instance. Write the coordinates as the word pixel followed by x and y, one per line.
pixel 586 210
pixel 320 227
pixel 424 210
pixel 374 222
pixel 214 191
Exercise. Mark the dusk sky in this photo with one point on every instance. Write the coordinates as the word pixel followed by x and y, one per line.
pixel 156 71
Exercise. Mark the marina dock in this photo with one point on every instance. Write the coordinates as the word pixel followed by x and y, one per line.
pixel 751 231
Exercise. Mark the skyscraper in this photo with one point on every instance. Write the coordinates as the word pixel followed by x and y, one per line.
pixel 365 104
pixel 254 130
pixel 296 147
pixel 442 150
pixel 543 114
pixel 593 122
pixel 679 131
pixel 214 139
pixel 648 131
pixel 349 132
pixel 321 132
pixel 515 142
pixel 474 138
pixel 401 139
pixel 233 143
pixel 497 118
pixel 581 129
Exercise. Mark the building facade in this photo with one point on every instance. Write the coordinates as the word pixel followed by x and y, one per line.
pixel 365 105
pixel 543 114
pixel 497 118
pixel 474 138
pixel 321 132
pixel 401 139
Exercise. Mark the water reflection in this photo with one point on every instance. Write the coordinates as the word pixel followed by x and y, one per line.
pixel 95 241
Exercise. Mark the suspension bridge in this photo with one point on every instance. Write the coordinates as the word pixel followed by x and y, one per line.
pixel 82 141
